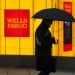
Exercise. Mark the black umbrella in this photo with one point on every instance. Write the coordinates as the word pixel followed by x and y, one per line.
pixel 55 14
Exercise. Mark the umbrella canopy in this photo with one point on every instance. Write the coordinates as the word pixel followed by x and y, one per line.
pixel 54 14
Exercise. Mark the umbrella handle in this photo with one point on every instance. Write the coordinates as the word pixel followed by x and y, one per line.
pixel 53 29
pixel 34 19
pixel 53 33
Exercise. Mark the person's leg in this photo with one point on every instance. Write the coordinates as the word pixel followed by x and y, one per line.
pixel 44 73
pixel 46 66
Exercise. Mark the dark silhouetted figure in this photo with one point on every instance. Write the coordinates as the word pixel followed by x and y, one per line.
pixel 43 45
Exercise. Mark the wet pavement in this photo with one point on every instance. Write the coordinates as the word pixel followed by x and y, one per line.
pixel 29 71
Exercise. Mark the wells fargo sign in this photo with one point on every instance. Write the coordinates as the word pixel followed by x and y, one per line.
pixel 17 23
pixel 67 6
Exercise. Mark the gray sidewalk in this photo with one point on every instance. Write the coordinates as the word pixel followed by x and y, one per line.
pixel 18 71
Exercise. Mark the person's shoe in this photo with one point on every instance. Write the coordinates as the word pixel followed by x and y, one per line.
pixel 39 74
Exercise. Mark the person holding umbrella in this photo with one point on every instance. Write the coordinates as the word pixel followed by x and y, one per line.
pixel 43 46
pixel 44 39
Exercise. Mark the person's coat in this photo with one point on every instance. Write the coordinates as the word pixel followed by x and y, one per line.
pixel 43 45
pixel 43 41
